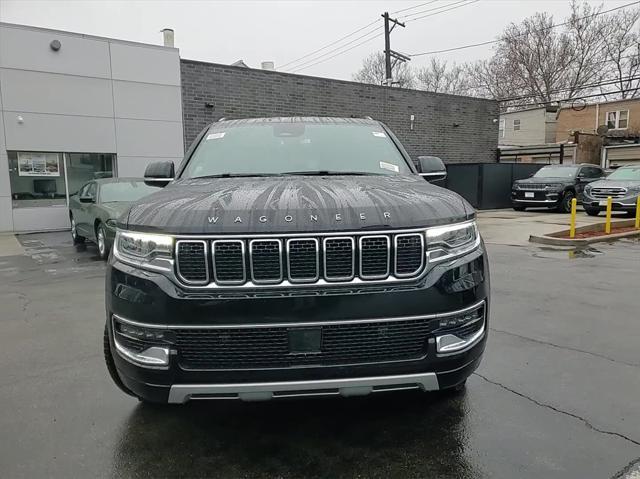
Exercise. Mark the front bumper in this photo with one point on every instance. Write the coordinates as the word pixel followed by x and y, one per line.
pixel 625 203
pixel 541 198
pixel 150 299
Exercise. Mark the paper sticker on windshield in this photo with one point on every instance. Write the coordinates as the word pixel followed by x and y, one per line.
pixel 215 136
pixel 379 134
pixel 389 166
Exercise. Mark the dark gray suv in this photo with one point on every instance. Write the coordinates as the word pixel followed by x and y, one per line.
pixel 554 186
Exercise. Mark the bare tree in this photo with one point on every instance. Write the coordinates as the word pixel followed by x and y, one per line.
pixel 622 50
pixel 373 71
pixel 537 62
pixel 440 77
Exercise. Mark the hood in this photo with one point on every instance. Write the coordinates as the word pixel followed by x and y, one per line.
pixel 615 184
pixel 115 209
pixel 296 204
pixel 538 181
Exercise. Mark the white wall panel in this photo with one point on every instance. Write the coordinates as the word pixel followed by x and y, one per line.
pixel 55 93
pixel 145 64
pixel 2 143
pixel 149 138
pixel 41 132
pixel 6 215
pixel 146 101
pixel 135 165
pixel 41 219
pixel 5 185
pixel 28 49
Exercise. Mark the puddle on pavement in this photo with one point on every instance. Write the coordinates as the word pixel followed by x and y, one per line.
pixel 575 253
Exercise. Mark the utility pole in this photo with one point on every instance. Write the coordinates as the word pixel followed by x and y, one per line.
pixel 388 53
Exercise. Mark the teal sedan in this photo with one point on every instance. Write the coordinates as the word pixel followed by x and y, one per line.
pixel 94 209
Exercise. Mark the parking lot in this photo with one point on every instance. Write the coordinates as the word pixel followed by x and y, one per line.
pixel 556 396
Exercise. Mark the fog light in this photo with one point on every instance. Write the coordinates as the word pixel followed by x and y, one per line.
pixel 460 332
pixel 146 347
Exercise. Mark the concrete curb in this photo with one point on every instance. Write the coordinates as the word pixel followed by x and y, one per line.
pixel 554 239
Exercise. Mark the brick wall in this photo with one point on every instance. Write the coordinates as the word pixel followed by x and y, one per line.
pixel 458 129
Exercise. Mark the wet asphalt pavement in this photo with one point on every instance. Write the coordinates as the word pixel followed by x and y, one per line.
pixel 558 393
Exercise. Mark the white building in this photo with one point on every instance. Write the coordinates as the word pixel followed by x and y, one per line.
pixel 532 126
pixel 74 107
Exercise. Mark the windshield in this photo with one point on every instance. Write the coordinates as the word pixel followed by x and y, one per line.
pixel 630 173
pixel 298 147
pixel 556 172
pixel 124 191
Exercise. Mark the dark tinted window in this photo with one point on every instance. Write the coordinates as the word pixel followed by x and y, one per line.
pixel 591 172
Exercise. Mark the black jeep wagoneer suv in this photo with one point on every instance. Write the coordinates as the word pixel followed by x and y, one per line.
pixel 295 257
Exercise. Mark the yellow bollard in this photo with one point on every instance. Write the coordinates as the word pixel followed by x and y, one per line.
pixel 638 213
pixel 607 225
pixel 572 228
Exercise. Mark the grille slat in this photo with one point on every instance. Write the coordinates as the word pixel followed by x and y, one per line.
pixel 266 261
pixel 192 261
pixel 339 254
pixel 269 261
pixel 228 262
pixel 374 257
pixel 409 254
pixel 302 255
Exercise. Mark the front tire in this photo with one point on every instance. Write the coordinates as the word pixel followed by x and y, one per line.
pixel 592 211
pixel 101 240
pixel 77 239
pixel 565 202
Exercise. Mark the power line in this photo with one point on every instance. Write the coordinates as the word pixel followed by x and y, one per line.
pixel 340 53
pixel 296 68
pixel 582 97
pixel 330 44
pixel 453 6
pixel 415 6
pixel 611 81
pixel 462 47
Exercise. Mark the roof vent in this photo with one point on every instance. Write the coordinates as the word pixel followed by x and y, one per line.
pixel 268 66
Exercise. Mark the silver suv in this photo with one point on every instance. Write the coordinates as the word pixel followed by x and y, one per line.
pixel 623 185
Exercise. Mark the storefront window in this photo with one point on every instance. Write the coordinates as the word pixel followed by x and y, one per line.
pixel 40 178
pixel 83 167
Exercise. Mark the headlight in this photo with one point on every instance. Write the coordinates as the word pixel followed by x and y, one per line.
pixel 633 189
pixel 553 186
pixel 151 251
pixel 445 242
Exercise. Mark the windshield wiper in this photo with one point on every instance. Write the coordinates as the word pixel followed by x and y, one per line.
pixel 330 173
pixel 235 175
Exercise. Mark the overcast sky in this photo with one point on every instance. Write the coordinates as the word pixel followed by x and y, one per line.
pixel 282 31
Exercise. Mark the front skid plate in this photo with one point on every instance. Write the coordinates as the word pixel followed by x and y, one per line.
pixel 181 393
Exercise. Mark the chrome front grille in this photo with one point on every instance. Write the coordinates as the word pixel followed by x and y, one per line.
pixel 532 186
pixel 604 193
pixel 328 259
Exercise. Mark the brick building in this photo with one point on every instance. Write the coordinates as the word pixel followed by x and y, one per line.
pixel 458 129
pixel 622 117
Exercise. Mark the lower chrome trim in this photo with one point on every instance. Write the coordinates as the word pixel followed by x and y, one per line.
pixel 181 393
pixel 477 305
pixel 534 201
pixel 156 357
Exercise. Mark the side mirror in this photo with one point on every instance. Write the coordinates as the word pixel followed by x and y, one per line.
pixel 86 199
pixel 159 173
pixel 431 168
